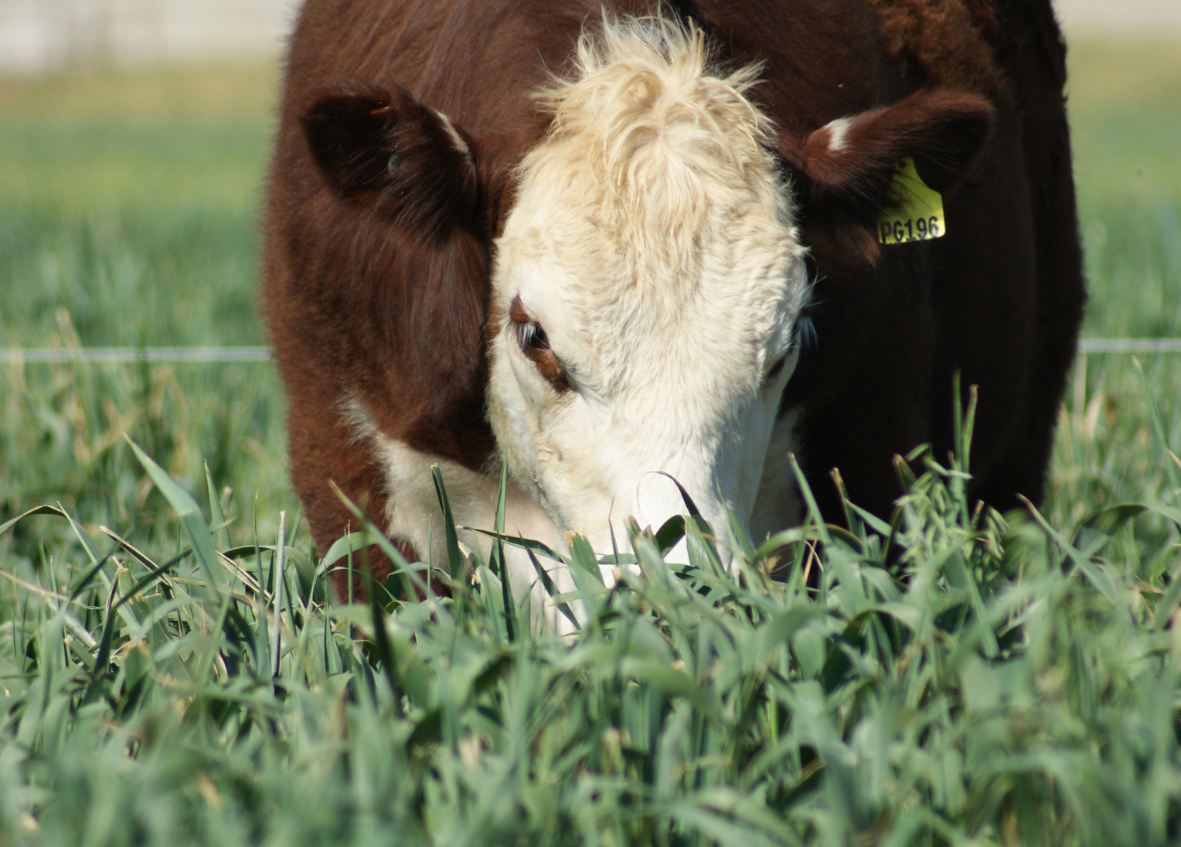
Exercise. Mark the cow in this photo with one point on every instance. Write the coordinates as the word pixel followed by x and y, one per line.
pixel 616 245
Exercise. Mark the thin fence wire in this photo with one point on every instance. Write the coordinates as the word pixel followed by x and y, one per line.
pixel 1130 345
pixel 206 355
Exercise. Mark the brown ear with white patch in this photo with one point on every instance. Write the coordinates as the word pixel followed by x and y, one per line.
pixel 845 169
pixel 383 148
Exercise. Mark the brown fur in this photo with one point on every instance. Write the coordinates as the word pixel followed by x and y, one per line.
pixel 942 43
pixel 384 301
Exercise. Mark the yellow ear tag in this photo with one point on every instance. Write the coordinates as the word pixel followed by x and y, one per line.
pixel 918 213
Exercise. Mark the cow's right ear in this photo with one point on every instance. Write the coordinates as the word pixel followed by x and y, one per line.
pixel 845 170
pixel 384 149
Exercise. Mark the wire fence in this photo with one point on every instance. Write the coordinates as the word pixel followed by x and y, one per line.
pixel 1130 345
pixel 211 355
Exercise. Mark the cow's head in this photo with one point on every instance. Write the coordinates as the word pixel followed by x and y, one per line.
pixel 648 279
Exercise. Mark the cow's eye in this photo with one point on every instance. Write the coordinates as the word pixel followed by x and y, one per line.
pixel 534 343
pixel 531 337
pixel 529 333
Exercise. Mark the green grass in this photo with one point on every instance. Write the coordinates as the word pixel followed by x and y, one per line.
pixel 1017 684
pixel 129 217
pixel 1005 687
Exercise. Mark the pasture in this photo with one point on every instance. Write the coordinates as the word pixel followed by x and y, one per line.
pixel 1020 687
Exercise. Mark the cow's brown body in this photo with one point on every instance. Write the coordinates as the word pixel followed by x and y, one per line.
pixel 361 309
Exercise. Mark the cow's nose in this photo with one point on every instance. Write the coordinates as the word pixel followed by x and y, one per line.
pixel 661 498
pixel 679 554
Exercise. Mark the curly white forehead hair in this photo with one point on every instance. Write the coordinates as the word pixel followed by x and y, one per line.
pixel 655 131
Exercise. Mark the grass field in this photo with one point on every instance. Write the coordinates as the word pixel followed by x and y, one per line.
pixel 1021 688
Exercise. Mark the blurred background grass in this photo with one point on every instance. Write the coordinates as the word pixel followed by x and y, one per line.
pixel 129 216
pixel 1125 110
pixel 130 198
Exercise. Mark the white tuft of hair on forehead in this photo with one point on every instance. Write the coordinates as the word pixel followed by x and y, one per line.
pixel 648 119
pixel 640 77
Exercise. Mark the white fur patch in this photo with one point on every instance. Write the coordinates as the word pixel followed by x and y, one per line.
pixel 457 139
pixel 654 242
pixel 838 132
pixel 413 513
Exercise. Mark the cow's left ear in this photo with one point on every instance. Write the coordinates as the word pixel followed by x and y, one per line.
pixel 845 170
pixel 383 148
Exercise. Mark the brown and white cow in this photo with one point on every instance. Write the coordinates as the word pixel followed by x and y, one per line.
pixel 590 239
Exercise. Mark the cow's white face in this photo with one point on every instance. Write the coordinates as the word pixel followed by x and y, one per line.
pixel 645 291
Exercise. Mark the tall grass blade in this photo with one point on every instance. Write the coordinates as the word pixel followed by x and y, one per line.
pixel 217 519
pixel 1097 578
pixel 39 510
pixel 279 573
pixel 551 590
pixel 455 563
pixel 1160 433
pixel 499 563
pixel 190 518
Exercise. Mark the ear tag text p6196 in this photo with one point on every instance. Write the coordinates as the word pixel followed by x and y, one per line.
pixel 917 213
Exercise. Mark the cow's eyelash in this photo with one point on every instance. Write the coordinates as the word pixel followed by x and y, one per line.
pixel 804 334
pixel 531 336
